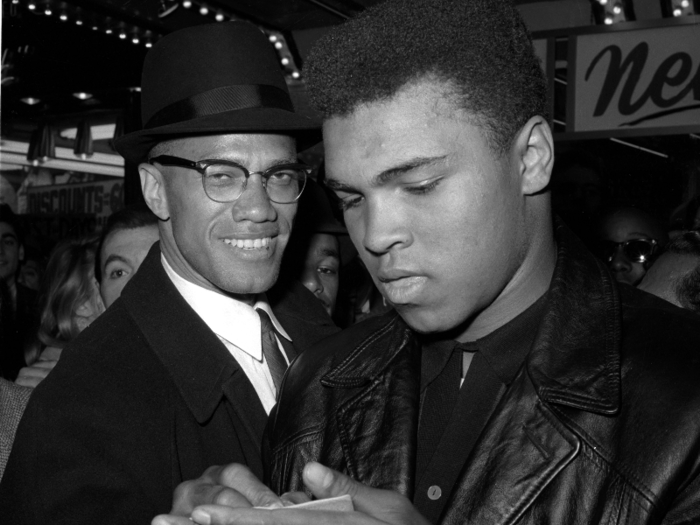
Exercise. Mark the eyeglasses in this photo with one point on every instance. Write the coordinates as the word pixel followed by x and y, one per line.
pixel 225 181
pixel 636 250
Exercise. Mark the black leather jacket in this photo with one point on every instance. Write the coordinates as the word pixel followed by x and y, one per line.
pixel 601 425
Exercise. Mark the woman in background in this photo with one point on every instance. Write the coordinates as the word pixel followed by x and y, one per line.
pixel 69 303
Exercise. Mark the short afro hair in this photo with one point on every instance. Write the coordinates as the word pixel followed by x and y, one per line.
pixel 480 48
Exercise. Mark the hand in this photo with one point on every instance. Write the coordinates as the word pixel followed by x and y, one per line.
pixel 50 353
pixel 372 506
pixel 232 486
pixel 31 376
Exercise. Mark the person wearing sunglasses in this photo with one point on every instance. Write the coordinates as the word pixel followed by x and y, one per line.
pixel 630 240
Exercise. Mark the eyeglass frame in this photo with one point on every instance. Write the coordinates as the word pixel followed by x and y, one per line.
pixel 616 245
pixel 202 165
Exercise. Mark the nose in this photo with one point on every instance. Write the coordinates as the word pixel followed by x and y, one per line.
pixel 620 263
pixel 386 228
pixel 311 281
pixel 254 205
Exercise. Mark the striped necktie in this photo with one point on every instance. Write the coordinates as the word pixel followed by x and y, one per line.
pixel 275 360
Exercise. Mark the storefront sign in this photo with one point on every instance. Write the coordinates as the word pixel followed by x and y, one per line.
pixel 640 82
pixel 99 199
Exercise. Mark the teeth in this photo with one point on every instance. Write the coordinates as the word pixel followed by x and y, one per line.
pixel 249 244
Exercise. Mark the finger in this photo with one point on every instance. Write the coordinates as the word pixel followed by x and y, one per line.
pixel 240 478
pixel 324 482
pixel 34 372
pixel 169 519
pixel 294 498
pixel 385 505
pixel 45 365
pixel 215 515
pixel 50 353
pixel 191 494
pixel 31 382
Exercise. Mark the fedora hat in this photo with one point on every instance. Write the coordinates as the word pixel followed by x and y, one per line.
pixel 213 79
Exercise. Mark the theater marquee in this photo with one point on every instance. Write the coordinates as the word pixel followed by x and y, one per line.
pixel 637 82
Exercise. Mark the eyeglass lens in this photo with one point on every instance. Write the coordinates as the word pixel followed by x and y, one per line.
pixel 225 183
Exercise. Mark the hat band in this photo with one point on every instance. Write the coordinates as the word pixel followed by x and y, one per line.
pixel 219 100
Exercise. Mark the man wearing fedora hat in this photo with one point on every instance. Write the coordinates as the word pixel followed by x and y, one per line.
pixel 181 371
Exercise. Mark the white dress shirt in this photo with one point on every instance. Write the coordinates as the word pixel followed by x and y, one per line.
pixel 238 327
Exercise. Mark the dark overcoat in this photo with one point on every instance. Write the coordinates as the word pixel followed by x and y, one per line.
pixel 146 397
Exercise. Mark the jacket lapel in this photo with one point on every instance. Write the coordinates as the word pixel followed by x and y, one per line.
pixel 386 404
pixel 521 451
pixel 199 364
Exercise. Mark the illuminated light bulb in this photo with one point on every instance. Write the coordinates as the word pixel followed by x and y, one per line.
pixel 603 2
pixel 78 22
pixel 273 38
pixel 203 10
pixel 47 11
pixel 108 31
pixel 95 28
pixel 219 17
pixel 187 4
pixel 135 40
pixel 31 6
pixel 278 45
pixel 617 9
pixel 608 20
pixel 122 35
pixel 285 61
pixel 685 3
pixel 63 17
pixel 677 12
pixel 149 44
pixel 15 1
pixel 295 74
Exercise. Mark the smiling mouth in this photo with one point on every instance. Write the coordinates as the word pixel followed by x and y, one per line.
pixel 250 244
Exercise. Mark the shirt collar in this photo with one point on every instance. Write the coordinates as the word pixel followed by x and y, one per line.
pixel 505 348
pixel 230 319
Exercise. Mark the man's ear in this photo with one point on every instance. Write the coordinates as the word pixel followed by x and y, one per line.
pixel 153 188
pixel 535 155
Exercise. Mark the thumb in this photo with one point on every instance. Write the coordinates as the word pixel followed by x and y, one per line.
pixel 324 482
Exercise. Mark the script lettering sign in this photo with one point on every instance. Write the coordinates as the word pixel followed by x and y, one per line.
pixel 640 82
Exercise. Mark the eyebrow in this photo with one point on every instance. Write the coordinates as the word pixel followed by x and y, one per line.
pixel 390 174
pixel 329 252
pixel 114 257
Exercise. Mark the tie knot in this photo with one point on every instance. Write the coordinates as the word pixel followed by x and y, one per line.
pixel 265 321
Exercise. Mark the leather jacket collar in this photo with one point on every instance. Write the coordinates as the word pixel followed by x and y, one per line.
pixel 581 289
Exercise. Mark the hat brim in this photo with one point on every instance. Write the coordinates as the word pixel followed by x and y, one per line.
pixel 134 147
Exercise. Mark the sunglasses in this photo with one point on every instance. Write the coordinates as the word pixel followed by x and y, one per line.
pixel 636 250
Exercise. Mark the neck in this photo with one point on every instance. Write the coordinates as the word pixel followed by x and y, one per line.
pixel 531 280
